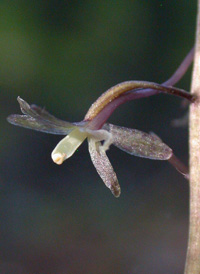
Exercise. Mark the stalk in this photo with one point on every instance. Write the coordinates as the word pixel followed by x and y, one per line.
pixel 193 253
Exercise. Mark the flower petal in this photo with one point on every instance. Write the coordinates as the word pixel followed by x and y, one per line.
pixel 45 115
pixel 39 119
pixel 103 166
pixel 37 124
pixel 68 145
pixel 139 143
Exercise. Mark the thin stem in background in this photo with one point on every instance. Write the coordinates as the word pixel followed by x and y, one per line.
pixel 193 252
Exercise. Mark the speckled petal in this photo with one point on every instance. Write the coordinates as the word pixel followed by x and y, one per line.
pixel 139 143
pixel 103 166
pixel 39 119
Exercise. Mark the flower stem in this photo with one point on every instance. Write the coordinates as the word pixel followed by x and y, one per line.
pixel 180 167
pixel 193 252
pixel 133 94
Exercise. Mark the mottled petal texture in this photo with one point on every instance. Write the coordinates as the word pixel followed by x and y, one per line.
pixel 39 119
pixel 139 143
pixel 103 166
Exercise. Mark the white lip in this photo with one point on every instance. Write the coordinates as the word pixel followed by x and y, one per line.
pixel 68 145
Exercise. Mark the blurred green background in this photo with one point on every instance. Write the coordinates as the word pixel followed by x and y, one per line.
pixel 63 55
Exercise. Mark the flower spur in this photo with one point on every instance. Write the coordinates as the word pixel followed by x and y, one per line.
pixel 101 135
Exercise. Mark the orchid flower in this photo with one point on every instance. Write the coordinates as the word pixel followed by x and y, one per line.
pixel 101 135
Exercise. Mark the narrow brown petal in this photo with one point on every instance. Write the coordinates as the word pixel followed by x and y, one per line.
pixel 103 166
pixel 122 88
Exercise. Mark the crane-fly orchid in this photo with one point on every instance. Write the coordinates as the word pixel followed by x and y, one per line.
pixel 101 135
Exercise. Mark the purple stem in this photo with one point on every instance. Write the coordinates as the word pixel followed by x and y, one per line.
pixel 103 116
pixel 175 162
pixel 181 70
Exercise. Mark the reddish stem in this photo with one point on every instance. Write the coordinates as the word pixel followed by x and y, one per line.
pixel 102 117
